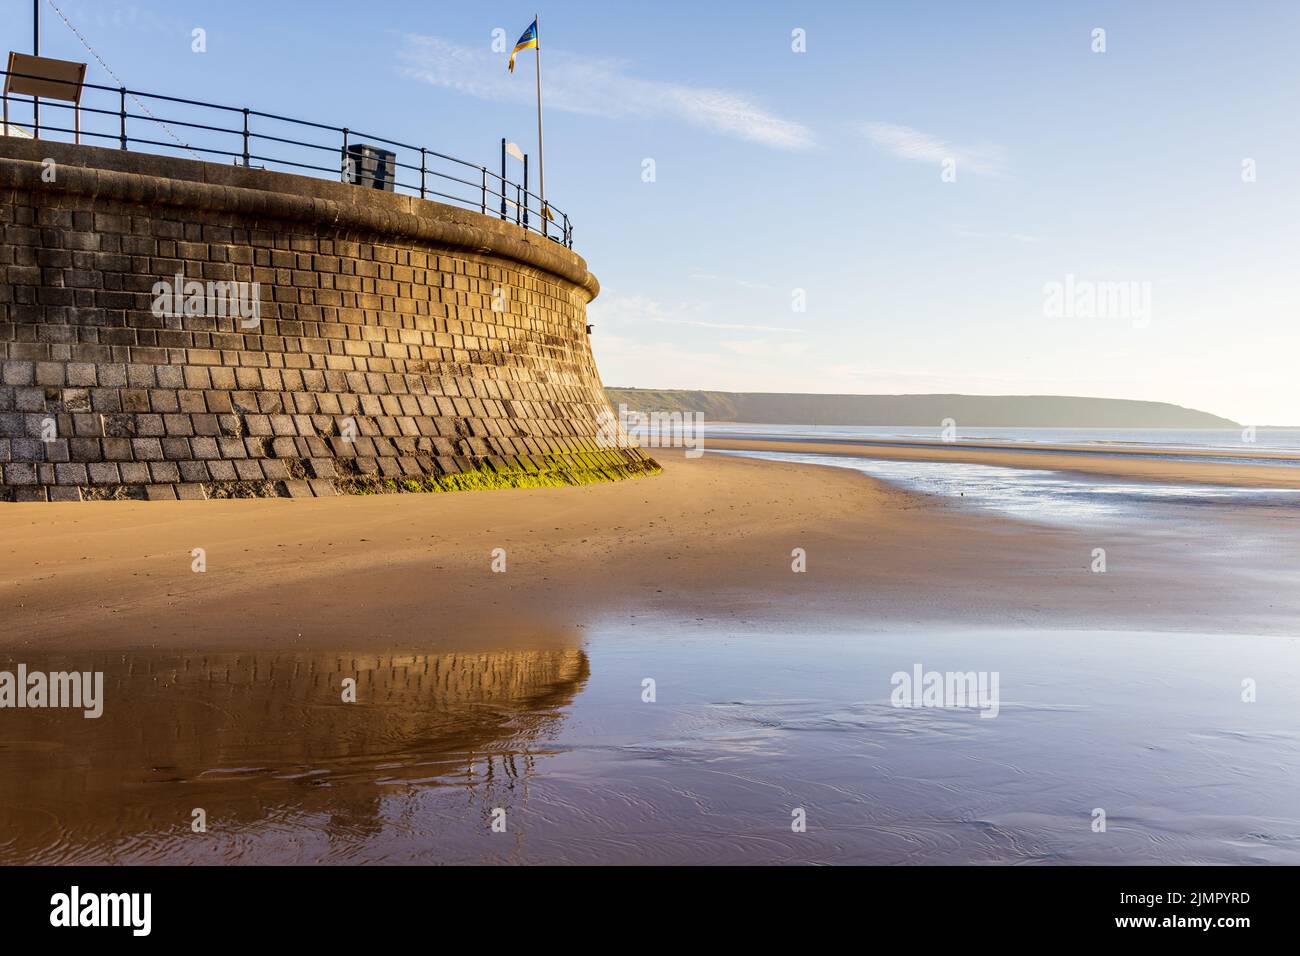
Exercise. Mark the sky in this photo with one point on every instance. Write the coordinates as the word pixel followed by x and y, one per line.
pixel 864 197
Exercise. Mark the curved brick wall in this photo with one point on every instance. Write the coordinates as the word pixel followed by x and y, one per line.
pixel 379 362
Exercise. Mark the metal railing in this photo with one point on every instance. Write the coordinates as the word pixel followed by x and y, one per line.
pixel 416 170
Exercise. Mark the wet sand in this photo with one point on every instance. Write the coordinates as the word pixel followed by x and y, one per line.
pixel 264 744
pixel 1251 468
pixel 709 540
pixel 747 729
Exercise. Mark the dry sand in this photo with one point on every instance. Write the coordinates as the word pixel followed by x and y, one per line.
pixel 709 540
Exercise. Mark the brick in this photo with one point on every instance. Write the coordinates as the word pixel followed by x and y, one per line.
pixel 232 448
pixel 18 373
pixel 248 470
pixel 119 426
pixel 164 471
pixel 20 473
pixel 146 449
pixel 82 373
pixel 178 425
pixel 51 373
pixel 84 449
pixel 111 376
pixel 274 469
pixel 134 473
pixel 193 471
pixel 70 474
pixel 117 449
pixel 222 471
pixel 204 448
pixel 103 473
pixel 149 426
pixel 322 468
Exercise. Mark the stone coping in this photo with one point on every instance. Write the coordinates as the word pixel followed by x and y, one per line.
pixel 131 177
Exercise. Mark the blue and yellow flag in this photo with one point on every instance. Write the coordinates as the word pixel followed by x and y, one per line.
pixel 526 42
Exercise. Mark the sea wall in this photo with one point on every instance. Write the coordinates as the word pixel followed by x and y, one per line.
pixel 395 343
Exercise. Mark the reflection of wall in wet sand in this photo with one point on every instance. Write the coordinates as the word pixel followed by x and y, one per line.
pixel 254 738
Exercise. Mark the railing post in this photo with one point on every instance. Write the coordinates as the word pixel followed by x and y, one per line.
pixel 245 137
pixel 344 170
pixel 421 172
pixel 122 113
pixel 525 192
pixel 516 204
pixel 483 204
pixel 503 179
pixel 36 51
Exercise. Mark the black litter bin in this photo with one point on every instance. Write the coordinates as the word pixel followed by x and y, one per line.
pixel 371 166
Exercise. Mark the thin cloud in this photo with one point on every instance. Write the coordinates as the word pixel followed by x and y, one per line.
pixel 743 283
pixel 599 87
pixel 118 18
pixel 766 349
pixel 916 146
pixel 1024 237
pixel 732 326
pixel 638 310
pixel 915 381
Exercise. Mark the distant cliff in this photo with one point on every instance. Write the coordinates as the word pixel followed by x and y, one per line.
pixel 1024 411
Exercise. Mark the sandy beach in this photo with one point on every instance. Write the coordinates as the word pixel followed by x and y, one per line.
pixel 709 540
pixel 524 689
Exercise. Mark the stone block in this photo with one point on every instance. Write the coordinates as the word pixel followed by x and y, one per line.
pixel 103 473
pixel 71 474
pixel 134 473
pixel 248 470
pixel 164 471
pixel 222 471
pixel 20 473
